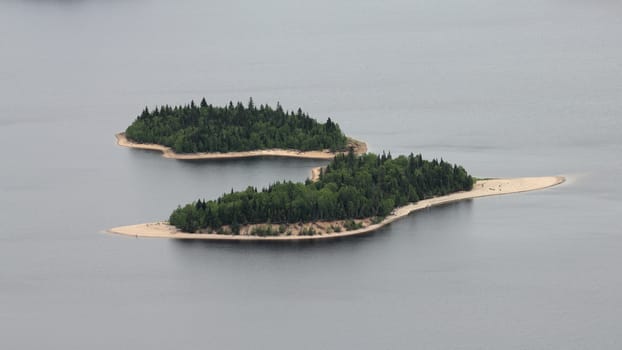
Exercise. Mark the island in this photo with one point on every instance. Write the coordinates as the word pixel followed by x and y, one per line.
pixel 205 131
pixel 350 196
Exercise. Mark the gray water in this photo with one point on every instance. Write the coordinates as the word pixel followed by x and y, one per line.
pixel 505 88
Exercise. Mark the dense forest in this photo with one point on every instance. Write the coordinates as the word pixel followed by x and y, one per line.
pixel 350 187
pixel 205 128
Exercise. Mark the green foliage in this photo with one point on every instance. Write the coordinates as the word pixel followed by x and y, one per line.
pixel 350 225
pixel 264 230
pixel 351 187
pixel 205 128
pixel 377 219
pixel 307 231
pixel 235 228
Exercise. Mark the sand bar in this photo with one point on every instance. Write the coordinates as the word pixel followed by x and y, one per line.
pixel 359 147
pixel 482 188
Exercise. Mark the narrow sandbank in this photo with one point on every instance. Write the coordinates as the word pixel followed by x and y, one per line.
pixel 482 188
pixel 359 148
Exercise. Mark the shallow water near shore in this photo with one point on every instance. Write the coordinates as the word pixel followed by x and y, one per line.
pixel 505 89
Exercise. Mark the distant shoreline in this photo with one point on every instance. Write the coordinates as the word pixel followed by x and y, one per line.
pixel 482 188
pixel 359 147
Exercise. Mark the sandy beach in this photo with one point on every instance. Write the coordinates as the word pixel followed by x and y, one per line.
pixel 483 188
pixel 360 147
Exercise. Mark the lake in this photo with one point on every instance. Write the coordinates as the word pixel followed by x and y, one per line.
pixel 504 88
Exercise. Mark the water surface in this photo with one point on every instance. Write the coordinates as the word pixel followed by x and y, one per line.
pixel 505 88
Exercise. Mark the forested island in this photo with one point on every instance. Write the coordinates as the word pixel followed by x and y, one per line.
pixel 204 128
pixel 351 192
pixel 355 193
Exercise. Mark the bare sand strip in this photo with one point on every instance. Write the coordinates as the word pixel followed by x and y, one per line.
pixel 482 188
pixel 359 147
pixel 315 173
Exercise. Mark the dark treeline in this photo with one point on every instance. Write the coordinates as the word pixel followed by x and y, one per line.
pixel 351 187
pixel 205 128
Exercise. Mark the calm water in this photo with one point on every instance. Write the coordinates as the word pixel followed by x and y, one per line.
pixel 506 88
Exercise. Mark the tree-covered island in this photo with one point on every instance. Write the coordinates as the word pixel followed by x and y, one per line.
pixel 234 128
pixel 351 192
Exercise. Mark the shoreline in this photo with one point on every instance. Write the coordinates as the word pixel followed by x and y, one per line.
pixel 360 147
pixel 482 188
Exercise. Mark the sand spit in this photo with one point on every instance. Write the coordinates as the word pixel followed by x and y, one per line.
pixel 482 188
pixel 359 147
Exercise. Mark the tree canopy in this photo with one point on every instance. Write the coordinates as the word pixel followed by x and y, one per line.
pixel 206 128
pixel 350 187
